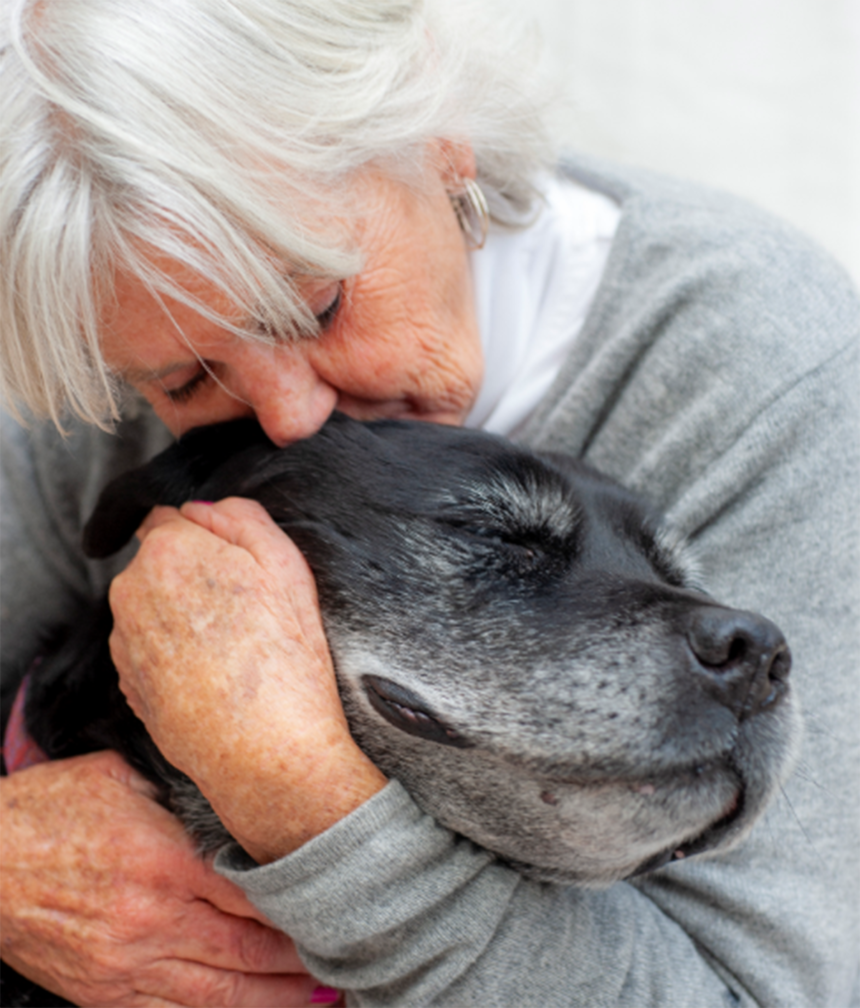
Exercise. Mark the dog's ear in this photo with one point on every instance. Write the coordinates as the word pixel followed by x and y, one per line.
pixel 172 478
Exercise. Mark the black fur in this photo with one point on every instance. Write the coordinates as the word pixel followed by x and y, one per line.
pixel 428 540
pixel 515 636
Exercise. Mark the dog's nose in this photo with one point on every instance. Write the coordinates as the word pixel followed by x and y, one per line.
pixel 742 659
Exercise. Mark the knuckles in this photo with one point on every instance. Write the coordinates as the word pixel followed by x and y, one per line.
pixel 258 947
pixel 219 987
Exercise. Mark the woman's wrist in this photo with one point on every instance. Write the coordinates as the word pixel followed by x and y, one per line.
pixel 270 819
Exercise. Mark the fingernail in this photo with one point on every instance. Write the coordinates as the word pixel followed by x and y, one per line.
pixel 324 995
pixel 202 502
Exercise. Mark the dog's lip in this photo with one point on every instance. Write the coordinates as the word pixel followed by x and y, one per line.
pixel 660 780
pixel 663 783
pixel 707 839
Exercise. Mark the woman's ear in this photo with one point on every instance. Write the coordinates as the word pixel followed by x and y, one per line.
pixel 457 169
pixel 455 161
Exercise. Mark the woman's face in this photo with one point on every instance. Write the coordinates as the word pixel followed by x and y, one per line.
pixel 399 339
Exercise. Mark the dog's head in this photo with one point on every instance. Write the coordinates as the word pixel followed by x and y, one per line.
pixel 516 638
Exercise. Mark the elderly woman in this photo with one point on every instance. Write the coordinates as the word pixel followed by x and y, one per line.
pixel 223 208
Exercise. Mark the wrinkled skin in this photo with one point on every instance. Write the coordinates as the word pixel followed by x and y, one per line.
pixel 284 729
pixel 126 885
pixel 398 339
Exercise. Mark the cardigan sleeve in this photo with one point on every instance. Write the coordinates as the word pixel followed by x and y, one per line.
pixel 400 911
pixel 49 483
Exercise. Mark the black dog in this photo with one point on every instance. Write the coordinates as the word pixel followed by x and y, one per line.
pixel 514 636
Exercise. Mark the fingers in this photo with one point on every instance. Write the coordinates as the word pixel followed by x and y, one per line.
pixel 174 982
pixel 229 942
pixel 247 524
pixel 208 885
pixel 236 520
pixel 187 983
pixel 157 516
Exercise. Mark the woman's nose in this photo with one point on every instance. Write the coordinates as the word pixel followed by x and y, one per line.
pixel 283 390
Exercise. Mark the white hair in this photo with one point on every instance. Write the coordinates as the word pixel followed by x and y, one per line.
pixel 207 131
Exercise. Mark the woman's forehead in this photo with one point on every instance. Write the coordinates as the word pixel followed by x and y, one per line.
pixel 143 333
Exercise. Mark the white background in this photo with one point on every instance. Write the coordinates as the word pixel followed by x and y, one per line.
pixel 759 97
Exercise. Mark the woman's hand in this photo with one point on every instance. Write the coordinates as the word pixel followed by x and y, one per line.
pixel 106 903
pixel 220 648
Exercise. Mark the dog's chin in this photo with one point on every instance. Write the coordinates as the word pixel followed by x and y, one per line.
pixel 597 869
pixel 628 856
pixel 753 771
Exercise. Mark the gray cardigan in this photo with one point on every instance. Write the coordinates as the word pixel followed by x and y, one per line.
pixel 718 374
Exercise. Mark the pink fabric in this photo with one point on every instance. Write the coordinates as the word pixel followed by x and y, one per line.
pixel 19 750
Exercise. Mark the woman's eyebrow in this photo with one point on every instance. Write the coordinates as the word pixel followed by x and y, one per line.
pixel 134 375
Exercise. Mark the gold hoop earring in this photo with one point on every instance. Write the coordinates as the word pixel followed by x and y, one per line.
pixel 473 213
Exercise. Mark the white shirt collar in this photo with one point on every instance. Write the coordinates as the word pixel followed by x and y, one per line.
pixel 533 289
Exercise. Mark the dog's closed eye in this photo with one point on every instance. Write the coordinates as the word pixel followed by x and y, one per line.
pixel 406 711
pixel 525 547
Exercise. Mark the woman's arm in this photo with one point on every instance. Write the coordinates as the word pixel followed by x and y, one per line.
pixel 398 910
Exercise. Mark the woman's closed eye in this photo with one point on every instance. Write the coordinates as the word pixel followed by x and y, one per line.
pixel 324 316
pixel 327 315
pixel 186 391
